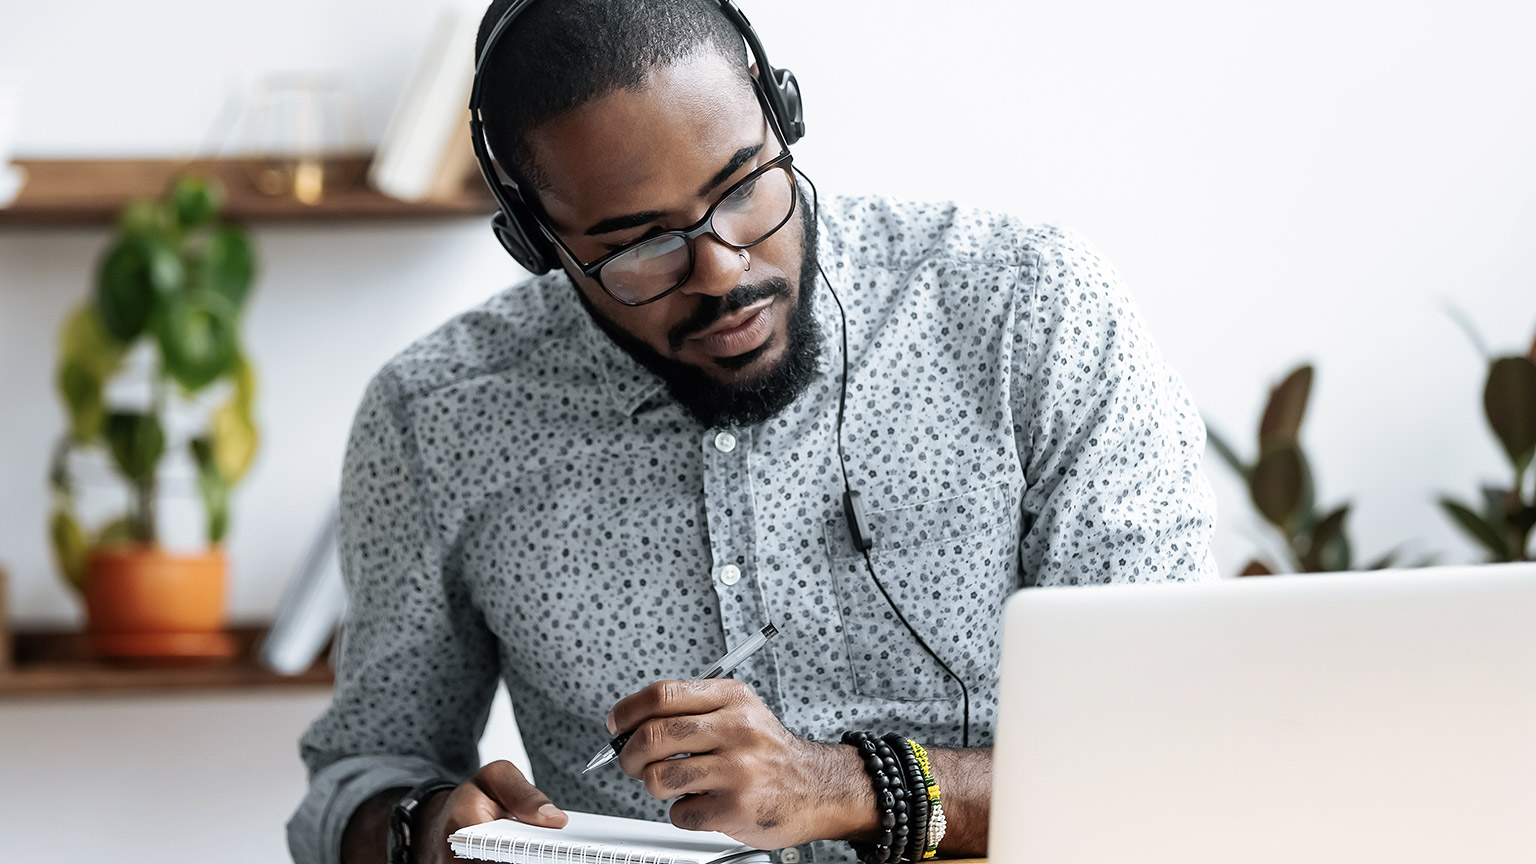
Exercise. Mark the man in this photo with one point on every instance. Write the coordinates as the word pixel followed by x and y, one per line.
pixel 596 483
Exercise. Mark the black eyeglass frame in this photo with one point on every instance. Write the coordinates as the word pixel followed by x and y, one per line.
pixel 698 229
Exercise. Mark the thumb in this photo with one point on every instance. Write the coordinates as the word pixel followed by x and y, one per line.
pixel 519 799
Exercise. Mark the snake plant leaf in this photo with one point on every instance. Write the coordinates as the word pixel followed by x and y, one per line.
pixel 194 200
pixel 1387 560
pixel 1522 519
pixel 1225 451
pixel 198 335
pixel 1281 424
pixel 1326 551
pixel 137 443
pixel 1338 555
pixel 213 487
pixel 1498 504
pixel 1278 484
pixel 69 547
pixel 228 266
pixel 1256 568
pixel 1510 402
pixel 1478 529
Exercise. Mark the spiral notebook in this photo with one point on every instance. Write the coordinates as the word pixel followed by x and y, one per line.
pixel 589 838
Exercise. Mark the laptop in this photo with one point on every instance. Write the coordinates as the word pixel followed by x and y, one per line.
pixel 1314 719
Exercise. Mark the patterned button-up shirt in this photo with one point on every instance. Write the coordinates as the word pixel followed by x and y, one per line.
pixel 523 501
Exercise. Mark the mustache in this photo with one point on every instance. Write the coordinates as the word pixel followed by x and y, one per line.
pixel 712 309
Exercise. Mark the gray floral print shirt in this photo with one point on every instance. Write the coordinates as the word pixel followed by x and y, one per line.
pixel 523 501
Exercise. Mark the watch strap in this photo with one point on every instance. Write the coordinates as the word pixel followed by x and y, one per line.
pixel 402 818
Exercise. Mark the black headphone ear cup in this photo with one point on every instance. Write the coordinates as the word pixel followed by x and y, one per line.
pixel 525 243
pixel 792 117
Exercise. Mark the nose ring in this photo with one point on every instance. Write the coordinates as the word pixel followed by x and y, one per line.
pixel 746 260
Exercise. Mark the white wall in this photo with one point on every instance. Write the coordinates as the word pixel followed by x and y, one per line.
pixel 1278 182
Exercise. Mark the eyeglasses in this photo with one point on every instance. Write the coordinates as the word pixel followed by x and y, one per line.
pixel 749 212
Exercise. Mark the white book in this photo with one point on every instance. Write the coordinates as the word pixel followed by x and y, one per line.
pixel 590 838
pixel 421 129
pixel 311 608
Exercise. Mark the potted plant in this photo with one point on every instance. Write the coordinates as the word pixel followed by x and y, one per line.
pixel 1504 524
pixel 172 286
pixel 1282 489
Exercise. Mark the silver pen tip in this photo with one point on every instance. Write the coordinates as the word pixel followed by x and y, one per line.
pixel 603 757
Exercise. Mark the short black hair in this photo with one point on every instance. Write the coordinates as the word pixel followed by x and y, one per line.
pixel 560 54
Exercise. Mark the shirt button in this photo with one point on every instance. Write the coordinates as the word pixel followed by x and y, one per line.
pixel 725 442
pixel 789 856
pixel 730 574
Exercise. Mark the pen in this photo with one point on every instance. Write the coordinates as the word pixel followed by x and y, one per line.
pixel 725 664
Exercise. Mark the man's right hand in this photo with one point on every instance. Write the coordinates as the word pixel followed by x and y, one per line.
pixel 497 791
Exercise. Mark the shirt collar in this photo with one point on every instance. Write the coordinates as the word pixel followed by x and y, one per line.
pixel 626 380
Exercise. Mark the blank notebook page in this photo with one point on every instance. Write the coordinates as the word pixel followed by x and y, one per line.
pixel 589 838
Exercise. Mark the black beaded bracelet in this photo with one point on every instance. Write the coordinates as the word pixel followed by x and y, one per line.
pixel 903 810
pixel 891 799
pixel 917 797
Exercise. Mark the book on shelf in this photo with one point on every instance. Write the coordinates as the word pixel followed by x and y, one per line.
pixel 591 838
pixel 311 608
pixel 425 151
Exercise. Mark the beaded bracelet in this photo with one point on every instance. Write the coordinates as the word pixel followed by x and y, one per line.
pixel 936 828
pixel 905 822
pixel 917 797
pixel 891 799
pixel 936 821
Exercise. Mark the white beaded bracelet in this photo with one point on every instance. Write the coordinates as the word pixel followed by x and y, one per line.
pixel 936 823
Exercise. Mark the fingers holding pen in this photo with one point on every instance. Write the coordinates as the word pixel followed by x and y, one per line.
pixel 677 697
pixel 662 739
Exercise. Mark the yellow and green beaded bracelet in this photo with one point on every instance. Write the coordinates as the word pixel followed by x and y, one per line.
pixel 936 821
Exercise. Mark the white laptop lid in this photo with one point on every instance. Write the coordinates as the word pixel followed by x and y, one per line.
pixel 1364 717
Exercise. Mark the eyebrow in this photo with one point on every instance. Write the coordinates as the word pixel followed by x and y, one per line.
pixel 634 220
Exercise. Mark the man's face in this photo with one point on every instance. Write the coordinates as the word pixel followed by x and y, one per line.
pixel 635 162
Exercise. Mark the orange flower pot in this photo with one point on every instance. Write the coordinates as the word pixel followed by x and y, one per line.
pixel 142 601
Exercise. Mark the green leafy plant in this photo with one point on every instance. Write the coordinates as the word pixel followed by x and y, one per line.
pixel 178 278
pixel 1281 486
pixel 1503 524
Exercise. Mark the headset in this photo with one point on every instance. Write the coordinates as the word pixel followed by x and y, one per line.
pixel 525 238
pixel 520 231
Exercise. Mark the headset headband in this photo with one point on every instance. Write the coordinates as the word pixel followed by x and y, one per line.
pixel 518 228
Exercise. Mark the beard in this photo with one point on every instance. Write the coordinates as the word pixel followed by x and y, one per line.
pixel 746 403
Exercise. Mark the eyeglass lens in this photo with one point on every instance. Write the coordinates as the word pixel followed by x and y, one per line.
pixel 745 217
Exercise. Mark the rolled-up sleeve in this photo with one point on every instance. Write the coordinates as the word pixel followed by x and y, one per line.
pixel 417 666
pixel 1110 439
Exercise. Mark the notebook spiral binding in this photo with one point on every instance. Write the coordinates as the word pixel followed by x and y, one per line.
pixel 525 851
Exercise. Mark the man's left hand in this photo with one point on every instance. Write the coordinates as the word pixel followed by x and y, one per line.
pixel 734 768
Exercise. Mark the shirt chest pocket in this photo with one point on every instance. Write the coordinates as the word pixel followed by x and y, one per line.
pixel 948 565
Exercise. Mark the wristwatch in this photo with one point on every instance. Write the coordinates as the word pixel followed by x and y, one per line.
pixel 402 822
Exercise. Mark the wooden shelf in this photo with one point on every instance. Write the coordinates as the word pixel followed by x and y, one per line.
pixel 60 663
pixel 75 192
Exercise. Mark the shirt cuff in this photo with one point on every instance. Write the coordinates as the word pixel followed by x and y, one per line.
pixel 336 791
